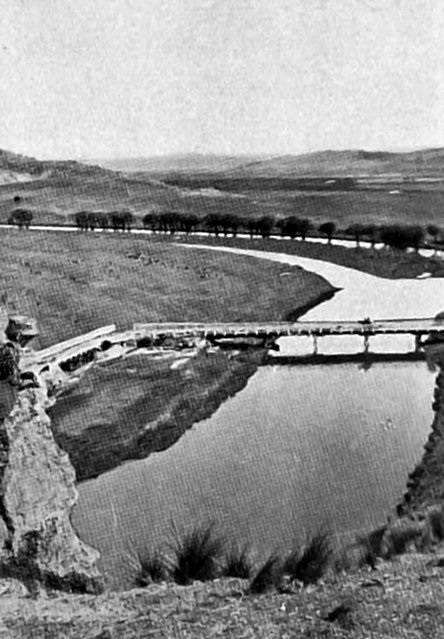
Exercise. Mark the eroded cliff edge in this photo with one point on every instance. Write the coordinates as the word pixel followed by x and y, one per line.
pixel 425 485
pixel 37 494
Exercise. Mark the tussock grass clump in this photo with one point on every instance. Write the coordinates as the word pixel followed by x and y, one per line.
pixel 311 564
pixel 238 562
pixel 268 577
pixel 197 554
pixel 152 568
pixel 402 536
pixel 435 518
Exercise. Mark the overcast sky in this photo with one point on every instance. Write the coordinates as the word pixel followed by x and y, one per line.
pixel 126 78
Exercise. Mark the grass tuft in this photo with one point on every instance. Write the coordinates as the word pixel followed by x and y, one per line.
pixel 310 565
pixel 238 562
pixel 268 577
pixel 197 554
pixel 152 569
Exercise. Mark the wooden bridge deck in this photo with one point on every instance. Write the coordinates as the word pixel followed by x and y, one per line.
pixel 282 329
pixel 111 343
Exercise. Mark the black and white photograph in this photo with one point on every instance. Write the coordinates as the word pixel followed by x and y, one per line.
pixel 221 319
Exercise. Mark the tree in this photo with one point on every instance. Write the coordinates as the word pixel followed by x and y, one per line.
pixel 121 220
pixel 252 226
pixel 289 226
pixel 415 236
pixel 81 220
pixel 328 228
pixel 265 225
pixel 101 220
pixel 214 223
pixel 401 237
pixel 171 221
pixel 357 230
pixel 434 231
pixel 21 217
pixel 370 231
pixel 304 227
pixel 151 221
pixel 230 223
pixel 189 222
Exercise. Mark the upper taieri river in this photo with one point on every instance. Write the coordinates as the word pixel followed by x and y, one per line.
pixel 300 447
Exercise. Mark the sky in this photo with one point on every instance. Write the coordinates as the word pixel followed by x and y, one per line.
pixel 135 78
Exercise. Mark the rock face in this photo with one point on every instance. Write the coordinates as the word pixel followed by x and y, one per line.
pixel 38 492
pixel 425 485
pixel 37 481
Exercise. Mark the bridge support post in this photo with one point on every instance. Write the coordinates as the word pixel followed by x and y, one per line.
pixel 418 343
pixel 315 344
pixel 366 343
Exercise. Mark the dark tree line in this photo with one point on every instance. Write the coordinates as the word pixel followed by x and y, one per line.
pixel 394 236
pixel 117 220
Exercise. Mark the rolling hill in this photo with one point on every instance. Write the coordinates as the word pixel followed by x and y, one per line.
pixel 345 186
pixel 350 163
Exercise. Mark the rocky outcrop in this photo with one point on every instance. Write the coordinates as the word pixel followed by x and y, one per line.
pixel 37 490
pixel 38 493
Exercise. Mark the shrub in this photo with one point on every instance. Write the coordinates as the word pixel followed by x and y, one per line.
pixel 197 554
pixel 312 563
pixel 268 577
pixel 152 568
pixel 238 563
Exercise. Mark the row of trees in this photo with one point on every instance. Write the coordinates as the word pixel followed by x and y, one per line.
pixel 395 236
pixel 117 220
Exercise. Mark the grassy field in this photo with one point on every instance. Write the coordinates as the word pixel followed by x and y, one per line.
pixel 76 282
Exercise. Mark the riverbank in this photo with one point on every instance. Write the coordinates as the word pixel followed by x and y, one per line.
pixel 379 262
pixel 425 485
pixel 402 598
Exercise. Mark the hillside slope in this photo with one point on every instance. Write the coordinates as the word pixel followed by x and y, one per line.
pixel 54 190
pixel 359 163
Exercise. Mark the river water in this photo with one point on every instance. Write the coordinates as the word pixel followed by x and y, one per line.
pixel 299 447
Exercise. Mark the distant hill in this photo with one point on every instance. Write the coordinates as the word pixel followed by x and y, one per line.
pixel 181 163
pixel 349 163
pixel 360 163
pixel 22 168
pixel 54 190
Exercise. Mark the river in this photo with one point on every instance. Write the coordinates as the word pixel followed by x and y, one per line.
pixel 299 447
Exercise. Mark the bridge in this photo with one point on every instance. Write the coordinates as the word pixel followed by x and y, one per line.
pixel 61 360
pixel 367 328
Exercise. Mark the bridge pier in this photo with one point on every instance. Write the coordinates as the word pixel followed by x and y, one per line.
pixel 418 343
pixel 315 344
pixel 366 343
